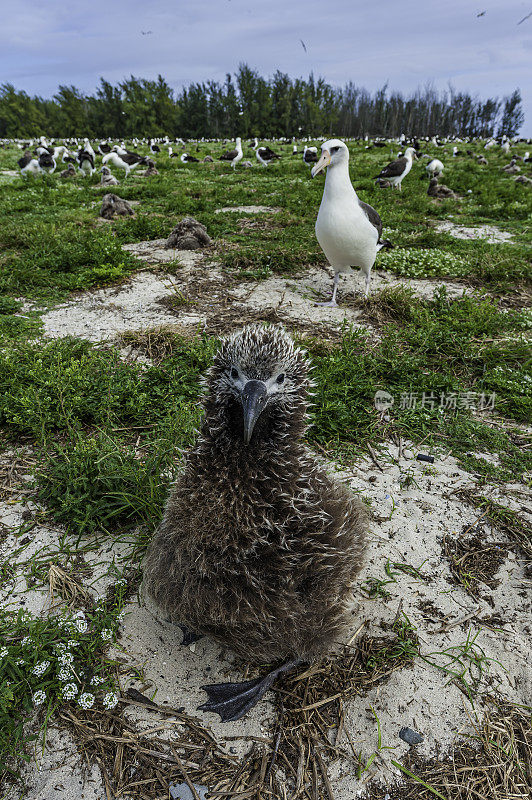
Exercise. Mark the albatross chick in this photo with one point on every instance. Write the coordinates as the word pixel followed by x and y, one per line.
pixel 259 544
pixel 189 234
pixel 113 206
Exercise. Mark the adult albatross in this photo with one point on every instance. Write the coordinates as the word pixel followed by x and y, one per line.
pixel 234 156
pixel 399 169
pixel 348 230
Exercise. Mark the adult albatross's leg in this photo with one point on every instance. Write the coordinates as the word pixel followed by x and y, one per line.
pixel 332 302
pixel 232 700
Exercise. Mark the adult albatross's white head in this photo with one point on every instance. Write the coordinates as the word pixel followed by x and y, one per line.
pixel 332 152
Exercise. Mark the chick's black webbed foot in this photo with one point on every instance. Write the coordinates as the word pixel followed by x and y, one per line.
pixel 232 700
pixel 189 637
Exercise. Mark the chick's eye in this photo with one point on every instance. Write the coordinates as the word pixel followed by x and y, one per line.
pixel 234 372
pixel 334 149
pixel 280 378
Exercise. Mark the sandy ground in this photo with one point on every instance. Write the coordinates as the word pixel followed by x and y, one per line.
pixel 57 774
pixel 105 313
pixel 247 210
pixel 139 302
pixel 413 506
pixel 490 233
pixel 408 528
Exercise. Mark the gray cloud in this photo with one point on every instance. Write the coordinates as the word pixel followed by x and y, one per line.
pixel 43 44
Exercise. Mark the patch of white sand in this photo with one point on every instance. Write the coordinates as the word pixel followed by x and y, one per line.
pixel 490 233
pixel 154 252
pixel 247 210
pixel 136 304
pixel 296 297
pixel 104 313
pixel 58 773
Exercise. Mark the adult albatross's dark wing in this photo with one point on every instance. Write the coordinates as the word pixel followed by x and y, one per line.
pixel 229 155
pixel 376 221
pixel 393 170
pixel 25 160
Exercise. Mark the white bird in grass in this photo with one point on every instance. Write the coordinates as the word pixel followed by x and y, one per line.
pixel 265 156
pixel 434 167
pixel 397 170
pixel 348 230
pixel 47 162
pixel 86 162
pixel 87 147
pixel 123 160
pixel 234 156
pixel 29 165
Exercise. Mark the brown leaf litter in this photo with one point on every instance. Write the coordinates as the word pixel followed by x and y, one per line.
pixel 474 561
pixel 63 586
pixel 292 762
pixel 14 467
pixel 494 763
pixel 508 522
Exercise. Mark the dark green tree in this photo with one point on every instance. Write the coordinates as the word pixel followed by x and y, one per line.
pixel 512 116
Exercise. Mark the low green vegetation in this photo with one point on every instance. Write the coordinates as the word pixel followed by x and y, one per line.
pixel 48 662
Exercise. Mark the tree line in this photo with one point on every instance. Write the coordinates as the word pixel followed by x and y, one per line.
pixel 247 104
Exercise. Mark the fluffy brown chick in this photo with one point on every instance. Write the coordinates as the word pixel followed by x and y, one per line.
pixel 259 545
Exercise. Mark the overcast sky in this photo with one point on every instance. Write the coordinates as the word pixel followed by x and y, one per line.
pixel 48 42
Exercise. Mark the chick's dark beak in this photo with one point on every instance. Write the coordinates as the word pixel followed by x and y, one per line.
pixel 254 395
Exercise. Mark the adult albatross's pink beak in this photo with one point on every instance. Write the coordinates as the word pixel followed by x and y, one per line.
pixel 324 161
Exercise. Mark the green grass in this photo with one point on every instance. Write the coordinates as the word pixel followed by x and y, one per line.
pixel 97 483
pixel 59 248
pixel 437 347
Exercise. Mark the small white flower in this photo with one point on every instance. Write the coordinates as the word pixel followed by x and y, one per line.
pixel 70 691
pixel 20 661
pixel 73 643
pixel 81 625
pixel 40 668
pixel 110 700
pixel 96 680
pixel 39 697
pixel 26 640
pixel 86 700
pixel 79 615
pixel 106 634
pixel 3 652
pixel 121 616
pixel 65 658
pixel 64 674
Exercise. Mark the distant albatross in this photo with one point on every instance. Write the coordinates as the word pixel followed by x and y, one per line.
pixel 397 170
pixel 234 156
pixel 348 230
pixel 265 155
pixel 122 159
